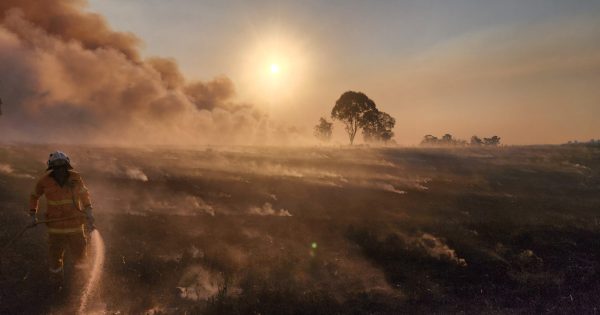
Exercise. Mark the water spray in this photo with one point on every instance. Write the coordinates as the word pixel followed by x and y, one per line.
pixel 97 244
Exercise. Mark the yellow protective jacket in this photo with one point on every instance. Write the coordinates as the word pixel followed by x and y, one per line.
pixel 63 202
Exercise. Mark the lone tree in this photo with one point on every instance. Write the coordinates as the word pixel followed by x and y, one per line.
pixel 377 126
pixel 323 130
pixel 350 109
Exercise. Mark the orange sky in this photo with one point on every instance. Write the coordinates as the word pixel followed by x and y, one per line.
pixel 527 71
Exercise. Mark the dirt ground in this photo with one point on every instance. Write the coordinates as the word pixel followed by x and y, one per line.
pixel 245 230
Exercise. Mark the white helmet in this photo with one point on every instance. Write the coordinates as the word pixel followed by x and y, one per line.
pixel 59 158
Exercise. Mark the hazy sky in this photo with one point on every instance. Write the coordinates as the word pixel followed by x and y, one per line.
pixel 528 71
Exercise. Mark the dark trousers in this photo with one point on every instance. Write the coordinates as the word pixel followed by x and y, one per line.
pixel 59 243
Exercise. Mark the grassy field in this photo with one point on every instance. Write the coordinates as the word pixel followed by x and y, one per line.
pixel 323 230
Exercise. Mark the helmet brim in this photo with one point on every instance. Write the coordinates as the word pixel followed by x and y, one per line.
pixel 56 165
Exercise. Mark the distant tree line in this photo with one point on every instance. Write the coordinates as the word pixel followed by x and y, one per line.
pixel 358 112
pixel 592 142
pixel 448 140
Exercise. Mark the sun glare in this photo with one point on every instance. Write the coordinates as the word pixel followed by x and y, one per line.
pixel 274 68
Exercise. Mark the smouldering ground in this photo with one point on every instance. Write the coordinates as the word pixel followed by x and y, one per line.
pixel 324 230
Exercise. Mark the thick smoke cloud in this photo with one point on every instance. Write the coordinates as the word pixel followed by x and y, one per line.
pixel 69 78
pixel 65 19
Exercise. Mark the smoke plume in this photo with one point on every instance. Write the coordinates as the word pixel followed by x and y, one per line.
pixel 70 78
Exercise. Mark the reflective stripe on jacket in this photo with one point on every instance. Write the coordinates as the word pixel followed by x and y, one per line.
pixel 63 202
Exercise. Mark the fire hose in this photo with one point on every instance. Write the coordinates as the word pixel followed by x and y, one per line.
pixel 29 226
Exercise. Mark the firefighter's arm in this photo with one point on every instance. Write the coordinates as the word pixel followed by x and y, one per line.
pixel 34 198
pixel 84 196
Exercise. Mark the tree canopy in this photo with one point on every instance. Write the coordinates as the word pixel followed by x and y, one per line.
pixel 475 140
pixel 350 109
pixel 493 141
pixel 377 126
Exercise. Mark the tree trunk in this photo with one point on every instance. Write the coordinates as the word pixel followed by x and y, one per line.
pixel 354 125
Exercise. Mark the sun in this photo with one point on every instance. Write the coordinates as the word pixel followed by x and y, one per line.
pixel 275 68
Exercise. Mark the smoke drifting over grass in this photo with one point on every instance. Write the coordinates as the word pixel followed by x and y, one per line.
pixel 209 230
pixel 136 173
pixel 197 283
pixel 386 187
pixel 7 169
pixel 437 249
pixel 74 80
pixel 267 209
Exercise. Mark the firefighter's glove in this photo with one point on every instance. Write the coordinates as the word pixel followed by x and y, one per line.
pixel 33 218
pixel 90 218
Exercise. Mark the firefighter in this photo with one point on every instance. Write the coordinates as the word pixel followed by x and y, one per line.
pixel 66 196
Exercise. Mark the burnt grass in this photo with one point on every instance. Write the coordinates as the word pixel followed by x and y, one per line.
pixel 371 231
